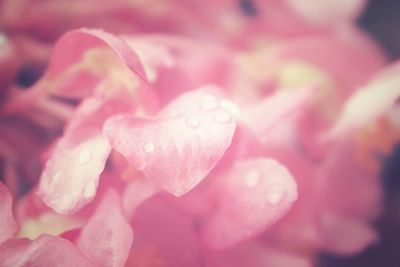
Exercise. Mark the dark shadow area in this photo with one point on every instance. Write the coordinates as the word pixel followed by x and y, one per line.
pixel 382 20
pixel 386 252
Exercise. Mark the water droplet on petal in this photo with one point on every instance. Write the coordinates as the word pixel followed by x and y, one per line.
pixel 84 156
pixel 149 147
pixel 223 117
pixel 193 122
pixel 209 102
pixel 252 178
pixel 275 194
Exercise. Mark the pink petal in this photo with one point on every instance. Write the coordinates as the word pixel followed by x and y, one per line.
pixel 345 236
pixel 176 64
pixel 264 116
pixel 331 11
pixel 67 79
pixel 107 238
pixel 82 133
pixel 369 102
pixel 93 111
pixel 346 59
pixel 77 42
pixel 179 150
pixel 70 178
pixel 136 192
pixel 252 197
pixel 44 251
pixel 8 225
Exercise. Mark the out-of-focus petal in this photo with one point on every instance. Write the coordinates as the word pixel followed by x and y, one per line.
pixel 107 238
pixel 8 66
pixel 175 65
pixel 136 192
pixel 77 67
pixel 342 179
pixel 93 111
pixel 163 236
pixel 345 236
pixel 272 110
pixel 8 225
pixel 337 62
pixel 178 149
pixel 369 102
pixel 77 42
pixel 44 251
pixel 253 196
pixel 327 12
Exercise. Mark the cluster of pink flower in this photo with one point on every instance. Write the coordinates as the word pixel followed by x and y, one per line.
pixel 197 133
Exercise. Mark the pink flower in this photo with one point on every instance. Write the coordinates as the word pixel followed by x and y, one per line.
pixel 252 138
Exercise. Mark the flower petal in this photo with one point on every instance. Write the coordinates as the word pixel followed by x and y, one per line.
pixel 267 113
pixel 176 64
pixel 370 102
pixel 330 11
pixel 70 178
pixel 44 251
pixel 106 239
pixel 345 236
pixel 136 192
pixel 252 197
pixel 93 56
pixel 178 151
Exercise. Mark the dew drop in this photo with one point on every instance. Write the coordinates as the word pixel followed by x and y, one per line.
pixel 84 156
pixel 193 122
pixel 149 147
pixel 252 178
pixel 275 194
pixel 223 117
pixel 209 102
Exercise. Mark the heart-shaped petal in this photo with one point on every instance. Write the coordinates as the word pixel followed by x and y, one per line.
pixel 180 147
pixel 253 196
